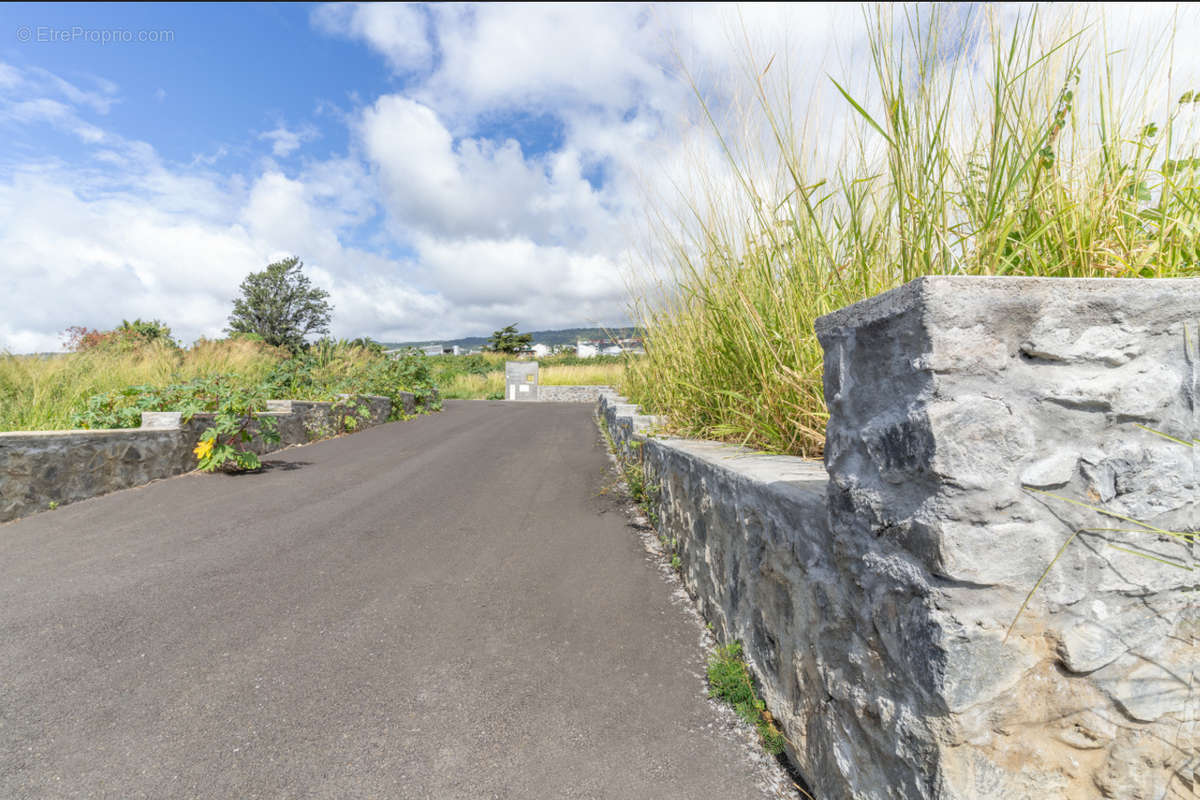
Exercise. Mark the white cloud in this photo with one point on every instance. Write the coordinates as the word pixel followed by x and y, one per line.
pixel 472 187
pixel 504 272
pixel 398 31
pixel 52 112
pixel 10 77
pixel 131 254
pixel 99 101
pixel 284 142
pixel 433 223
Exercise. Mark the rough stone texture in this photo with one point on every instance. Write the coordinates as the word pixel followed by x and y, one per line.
pixel 874 605
pixel 38 468
pixel 572 394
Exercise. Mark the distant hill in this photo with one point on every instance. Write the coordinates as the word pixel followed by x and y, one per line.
pixel 565 336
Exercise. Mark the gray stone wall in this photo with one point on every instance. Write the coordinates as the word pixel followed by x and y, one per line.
pixel 38 468
pixel 572 394
pixel 874 603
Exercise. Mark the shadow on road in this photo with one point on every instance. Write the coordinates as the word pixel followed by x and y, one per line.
pixel 283 466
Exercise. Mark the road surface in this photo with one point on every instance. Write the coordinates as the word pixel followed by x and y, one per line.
pixel 442 608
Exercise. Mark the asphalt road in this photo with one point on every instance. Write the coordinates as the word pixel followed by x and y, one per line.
pixel 442 608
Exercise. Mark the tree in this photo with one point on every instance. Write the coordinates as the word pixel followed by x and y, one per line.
pixel 507 340
pixel 281 305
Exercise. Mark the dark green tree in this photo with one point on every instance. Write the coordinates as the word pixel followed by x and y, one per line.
pixel 281 305
pixel 507 340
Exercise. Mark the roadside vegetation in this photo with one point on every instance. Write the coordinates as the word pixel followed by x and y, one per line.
pixel 109 384
pixel 111 376
pixel 999 145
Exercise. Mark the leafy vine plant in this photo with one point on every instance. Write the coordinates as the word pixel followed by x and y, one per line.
pixel 223 445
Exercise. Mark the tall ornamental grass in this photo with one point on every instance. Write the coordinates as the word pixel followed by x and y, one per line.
pixel 1014 146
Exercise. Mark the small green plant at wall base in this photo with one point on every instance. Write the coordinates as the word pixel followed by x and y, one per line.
pixel 222 445
pixel 729 680
pixel 53 504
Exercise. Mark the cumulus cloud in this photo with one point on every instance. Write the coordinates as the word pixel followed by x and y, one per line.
pixel 470 187
pixel 481 273
pixel 398 31
pixel 439 219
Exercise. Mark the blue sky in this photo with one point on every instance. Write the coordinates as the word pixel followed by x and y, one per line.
pixel 442 170
pixel 226 71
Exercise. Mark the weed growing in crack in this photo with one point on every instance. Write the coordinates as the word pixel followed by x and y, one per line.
pixel 729 680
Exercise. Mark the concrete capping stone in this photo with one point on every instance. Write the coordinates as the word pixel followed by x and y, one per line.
pixel 873 594
pixel 41 467
pixel 10 438
pixel 167 420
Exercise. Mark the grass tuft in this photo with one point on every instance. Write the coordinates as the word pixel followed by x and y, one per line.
pixel 729 680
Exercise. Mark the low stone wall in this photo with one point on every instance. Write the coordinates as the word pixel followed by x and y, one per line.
pixel 38 468
pixel 969 420
pixel 571 394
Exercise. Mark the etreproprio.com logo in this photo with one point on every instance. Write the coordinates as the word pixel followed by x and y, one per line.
pixel 46 34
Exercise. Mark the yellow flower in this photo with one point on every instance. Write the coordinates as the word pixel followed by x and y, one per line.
pixel 204 448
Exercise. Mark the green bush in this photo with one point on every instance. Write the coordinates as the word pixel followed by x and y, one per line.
pixel 122 408
pixel 223 445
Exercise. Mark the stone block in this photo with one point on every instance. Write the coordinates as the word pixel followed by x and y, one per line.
pixel 1027 434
